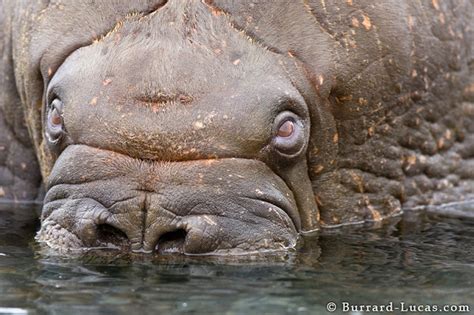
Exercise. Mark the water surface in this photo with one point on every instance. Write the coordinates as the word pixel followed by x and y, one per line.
pixel 418 259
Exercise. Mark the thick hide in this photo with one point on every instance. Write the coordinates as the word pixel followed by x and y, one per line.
pixel 231 126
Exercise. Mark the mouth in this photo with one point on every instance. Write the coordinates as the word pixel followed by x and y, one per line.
pixel 102 199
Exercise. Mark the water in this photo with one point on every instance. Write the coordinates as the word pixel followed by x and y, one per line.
pixel 420 259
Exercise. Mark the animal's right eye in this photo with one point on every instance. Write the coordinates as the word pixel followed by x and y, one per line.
pixel 54 121
pixel 289 134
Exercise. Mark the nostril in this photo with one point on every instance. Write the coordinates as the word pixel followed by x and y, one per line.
pixel 171 242
pixel 110 236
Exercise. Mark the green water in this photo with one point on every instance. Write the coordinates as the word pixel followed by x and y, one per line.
pixel 419 259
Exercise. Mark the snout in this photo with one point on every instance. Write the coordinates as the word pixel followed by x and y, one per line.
pixel 98 198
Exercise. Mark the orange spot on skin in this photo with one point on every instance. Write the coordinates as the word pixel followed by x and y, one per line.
pixel 335 138
pixel 318 201
pixel 155 108
pixel 448 134
pixel 209 162
pixel 441 18
pixel 411 160
pixel 358 180
pixel 371 131
pixel 317 169
pixel 375 214
pixel 440 143
pixel 106 82
pixel 355 22
pixel 198 125
pixel 411 22
pixel 93 101
pixel 185 99
pixel 469 90
pixel 320 79
pixel 363 101
pixel 366 22
pixel 216 12
pixel 349 2
pixel 435 4
pixel 344 98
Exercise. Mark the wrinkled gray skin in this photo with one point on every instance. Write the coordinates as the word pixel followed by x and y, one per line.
pixel 154 125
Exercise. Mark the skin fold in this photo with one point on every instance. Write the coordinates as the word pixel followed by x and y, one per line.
pixel 229 127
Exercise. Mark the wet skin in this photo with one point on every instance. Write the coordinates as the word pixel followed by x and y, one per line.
pixel 149 156
pixel 213 127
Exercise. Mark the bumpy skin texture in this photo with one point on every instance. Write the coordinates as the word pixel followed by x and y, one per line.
pixel 20 176
pixel 170 112
pixel 399 81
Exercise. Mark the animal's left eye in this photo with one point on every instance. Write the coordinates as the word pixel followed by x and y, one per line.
pixel 54 121
pixel 286 129
pixel 289 134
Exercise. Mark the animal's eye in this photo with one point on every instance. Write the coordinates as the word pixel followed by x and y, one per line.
pixel 55 118
pixel 289 134
pixel 286 129
pixel 54 121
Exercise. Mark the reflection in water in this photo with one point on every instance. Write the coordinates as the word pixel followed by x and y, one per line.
pixel 421 259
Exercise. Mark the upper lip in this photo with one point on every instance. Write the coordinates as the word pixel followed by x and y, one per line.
pixel 280 197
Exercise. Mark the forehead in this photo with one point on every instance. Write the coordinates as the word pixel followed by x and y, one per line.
pixel 168 52
pixel 60 29
pixel 138 74
pixel 48 32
